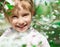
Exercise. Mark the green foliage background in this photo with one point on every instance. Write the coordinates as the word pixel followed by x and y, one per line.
pixel 46 20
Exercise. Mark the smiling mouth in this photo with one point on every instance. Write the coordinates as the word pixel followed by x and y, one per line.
pixel 21 27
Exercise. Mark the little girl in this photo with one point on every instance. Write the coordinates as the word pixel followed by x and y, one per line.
pixel 21 34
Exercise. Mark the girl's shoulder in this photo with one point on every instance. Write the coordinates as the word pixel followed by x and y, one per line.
pixel 7 32
pixel 39 39
pixel 37 35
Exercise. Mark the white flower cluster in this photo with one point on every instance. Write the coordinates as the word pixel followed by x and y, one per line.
pixel 37 2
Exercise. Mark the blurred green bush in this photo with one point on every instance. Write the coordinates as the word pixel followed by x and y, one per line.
pixel 47 20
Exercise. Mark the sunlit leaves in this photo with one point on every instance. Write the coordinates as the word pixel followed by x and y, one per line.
pixel 10 7
pixel 6 8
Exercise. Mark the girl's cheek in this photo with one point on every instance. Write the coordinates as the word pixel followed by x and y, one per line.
pixel 13 21
pixel 28 18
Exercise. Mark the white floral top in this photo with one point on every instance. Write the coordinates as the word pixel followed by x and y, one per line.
pixel 30 38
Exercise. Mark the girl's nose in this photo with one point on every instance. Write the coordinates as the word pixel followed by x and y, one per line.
pixel 21 21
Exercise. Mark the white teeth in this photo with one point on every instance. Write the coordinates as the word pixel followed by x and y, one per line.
pixel 20 26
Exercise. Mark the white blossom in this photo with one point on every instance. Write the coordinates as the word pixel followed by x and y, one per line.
pixel 46 19
pixel 54 26
pixel 11 2
pixel 52 32
pixel 6 7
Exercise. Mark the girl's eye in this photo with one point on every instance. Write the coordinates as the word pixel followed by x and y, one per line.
pixel 25 14
pixel 14 16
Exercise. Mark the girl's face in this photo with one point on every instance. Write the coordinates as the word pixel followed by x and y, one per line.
pixel 20 19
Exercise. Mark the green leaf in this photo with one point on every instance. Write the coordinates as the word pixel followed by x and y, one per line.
pixel 39 10
pixel 43 10
pixel 45 3
pixel 33 45
pixel 1 5
pixel 9 13
pixel 59 2
pixel 57 23
pixel 10 7
pixel 52 44
pixel 40 42
pixel 24 45
pixel 0 15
